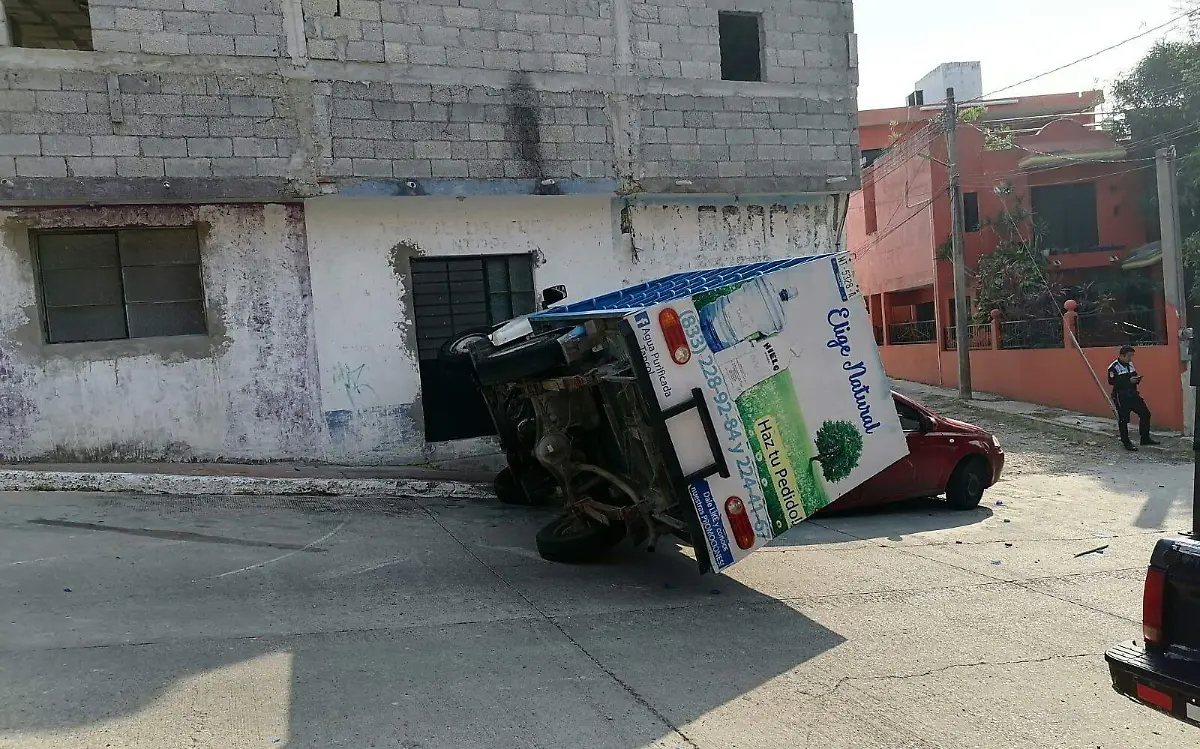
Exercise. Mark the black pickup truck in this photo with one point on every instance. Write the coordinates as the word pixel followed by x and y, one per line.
pixel 1164 670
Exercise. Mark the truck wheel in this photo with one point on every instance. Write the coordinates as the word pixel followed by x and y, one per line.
pixel 571 539
pixel 458 348
pixel 520 361
pixel 967 483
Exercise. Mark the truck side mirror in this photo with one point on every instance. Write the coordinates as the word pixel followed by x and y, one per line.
pixel 553 295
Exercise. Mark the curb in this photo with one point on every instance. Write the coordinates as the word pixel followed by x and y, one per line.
pixel 191 486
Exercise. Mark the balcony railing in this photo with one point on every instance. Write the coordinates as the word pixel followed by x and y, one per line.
pixel 912 332
pixel 1046 332
pixel 1143 327
pixel 980 336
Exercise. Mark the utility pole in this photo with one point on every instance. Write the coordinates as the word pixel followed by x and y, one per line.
pixel 962 315
pixel 1174 285
pixel 1168 217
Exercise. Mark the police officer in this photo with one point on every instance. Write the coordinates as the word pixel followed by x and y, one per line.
pixel 1124 379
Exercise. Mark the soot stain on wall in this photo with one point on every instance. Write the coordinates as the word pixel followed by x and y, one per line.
pixel 524 125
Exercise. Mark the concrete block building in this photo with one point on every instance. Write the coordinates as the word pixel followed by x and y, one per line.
pixel 240 229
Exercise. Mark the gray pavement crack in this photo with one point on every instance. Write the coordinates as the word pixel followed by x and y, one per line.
pixel 941 669
pixel 553 622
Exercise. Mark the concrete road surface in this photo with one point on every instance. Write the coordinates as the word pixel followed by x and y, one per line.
pixel 276 622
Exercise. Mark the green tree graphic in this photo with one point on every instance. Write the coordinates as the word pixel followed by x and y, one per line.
pixel 839 446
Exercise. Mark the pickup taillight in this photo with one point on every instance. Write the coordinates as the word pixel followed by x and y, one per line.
pixel 1152 605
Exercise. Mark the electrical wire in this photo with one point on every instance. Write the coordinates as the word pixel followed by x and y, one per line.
pixel 989 181
pixel 1085 58
pixel 878 237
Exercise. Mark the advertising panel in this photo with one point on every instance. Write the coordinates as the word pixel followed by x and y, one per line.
pixel 794 386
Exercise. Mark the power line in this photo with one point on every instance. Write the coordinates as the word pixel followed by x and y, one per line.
pixel 1085 58
pixel 985 182
pixel 880 236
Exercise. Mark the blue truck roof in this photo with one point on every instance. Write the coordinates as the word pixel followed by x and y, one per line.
pixel 665 289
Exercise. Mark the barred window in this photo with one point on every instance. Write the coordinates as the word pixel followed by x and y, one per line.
pixel 112 284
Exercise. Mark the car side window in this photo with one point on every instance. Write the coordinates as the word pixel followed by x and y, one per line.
pixel 910 420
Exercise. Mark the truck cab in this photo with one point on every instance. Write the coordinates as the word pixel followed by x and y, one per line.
pixel 1163 671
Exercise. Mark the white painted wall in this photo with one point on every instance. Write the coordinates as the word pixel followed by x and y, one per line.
pixel 311 354
pixel 359 250
pixel 966 78
pixel 670 238
pixel 245 392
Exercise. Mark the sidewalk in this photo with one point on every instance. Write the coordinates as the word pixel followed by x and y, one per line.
pixel 1060 417
pixel 461 479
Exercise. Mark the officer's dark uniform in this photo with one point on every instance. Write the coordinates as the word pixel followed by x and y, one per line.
pixel 1127 400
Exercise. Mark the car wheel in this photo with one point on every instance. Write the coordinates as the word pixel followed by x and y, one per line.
pixel 572 539
pixel 458 349
pixel 520 361
pixel 967 483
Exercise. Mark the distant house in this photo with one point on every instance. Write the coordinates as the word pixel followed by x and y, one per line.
pixel 1053 157
pixel 1047 152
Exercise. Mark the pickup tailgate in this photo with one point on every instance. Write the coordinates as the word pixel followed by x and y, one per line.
pixel 1164 672
pixel 1181 599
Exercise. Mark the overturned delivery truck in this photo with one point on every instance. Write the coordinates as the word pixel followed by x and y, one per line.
pixel 721 406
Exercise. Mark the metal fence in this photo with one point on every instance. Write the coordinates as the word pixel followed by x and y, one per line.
pixel 1144 327
pixel 980 336
pixel 912 332
pixel 1044 332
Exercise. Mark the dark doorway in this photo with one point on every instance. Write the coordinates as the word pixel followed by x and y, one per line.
pixel 452 296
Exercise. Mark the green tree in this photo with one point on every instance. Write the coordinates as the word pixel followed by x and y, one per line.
pixel 1018 279
pixel 839 448
pixel 1158 104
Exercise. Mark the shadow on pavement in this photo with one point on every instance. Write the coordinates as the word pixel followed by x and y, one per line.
pixel 892 521
pixel 1158 505
pixel 430 627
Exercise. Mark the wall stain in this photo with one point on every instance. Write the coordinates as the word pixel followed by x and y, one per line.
pixel 245 392
pixel 400 261
pixel 523 126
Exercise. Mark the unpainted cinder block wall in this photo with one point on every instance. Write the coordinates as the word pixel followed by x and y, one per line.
pixel 278 99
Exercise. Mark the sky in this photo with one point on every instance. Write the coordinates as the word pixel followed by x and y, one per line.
pixel 899 42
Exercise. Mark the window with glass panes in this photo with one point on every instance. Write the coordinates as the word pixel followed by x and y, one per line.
pixel 112 284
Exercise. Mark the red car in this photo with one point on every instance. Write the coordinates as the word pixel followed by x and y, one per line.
pixel 944 456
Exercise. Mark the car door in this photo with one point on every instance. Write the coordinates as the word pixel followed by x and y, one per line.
pixel 899 480
pixel 926 451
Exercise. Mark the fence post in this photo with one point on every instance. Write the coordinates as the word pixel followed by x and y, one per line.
pixel 1070 323
pixel 995 315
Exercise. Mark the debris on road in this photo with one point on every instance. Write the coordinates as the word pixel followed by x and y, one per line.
pixel 1097 550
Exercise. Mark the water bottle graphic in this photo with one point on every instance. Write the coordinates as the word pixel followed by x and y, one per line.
pixel 755 308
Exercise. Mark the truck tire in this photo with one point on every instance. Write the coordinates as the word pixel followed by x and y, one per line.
pixel 520 361
pixel 970 478
pixel 457 350
pixel 573 540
